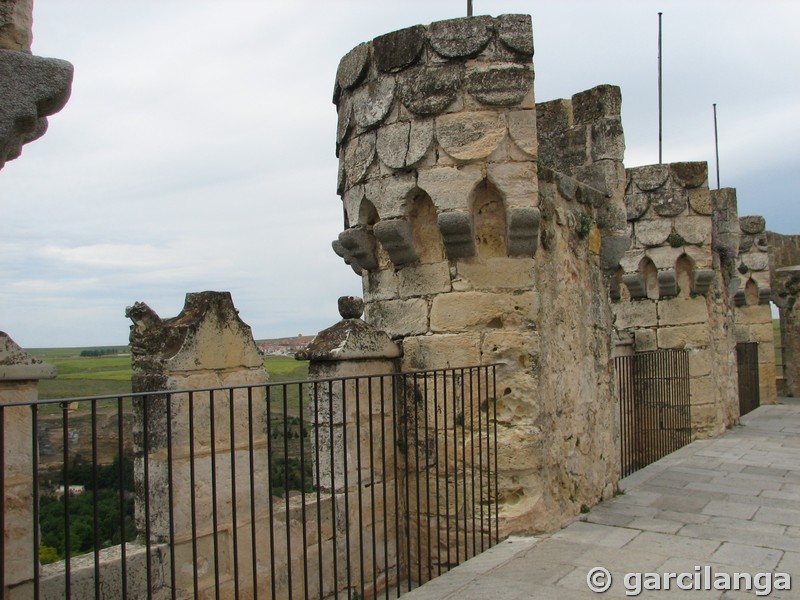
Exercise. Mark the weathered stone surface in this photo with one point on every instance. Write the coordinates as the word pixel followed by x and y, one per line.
pixel 612 250
pixel 399 49
pixel 516 32
pixel 670 204
pixel 553 117
pixel 500 85
pixel 360 245
pixel 752 224
pixel 495 274
pixel 457 235
pixel 702 280
pixel 608 142
pixel 358 157
pixel 449 187
pixel 428 90
pixel 635 314
pixel 16 24
pixel 523 231
pixel 516 181
pixel 649 177
pixel 469 136
pixel 664 257
pixel 460 38
pixel 700 201
pixel 399 318
pixel 33 88
pixel 397 238
pixel 441 351
pixel 390 195
pixel 423 280
pixel 745 243
pixel 636 205
pixel 635 284
pixel 371 103
pixel 644 340
pixel 350 339
pixel 351 307
pixel 353 67
pixel 682 336
pixel 597 103
pixel 403 144
pixel 522 130
pixel 344 116
pixel 667 283
pixel 689 174
pixel 756 261
pixel 682 311
pixel 652 233
pixel 694 229
pixel 17 365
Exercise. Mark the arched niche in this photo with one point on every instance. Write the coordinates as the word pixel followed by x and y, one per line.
pixel 649 275
pixel 368 217
pixel 684 273
pixel 489 220
pixel 751 293
pixel 427 237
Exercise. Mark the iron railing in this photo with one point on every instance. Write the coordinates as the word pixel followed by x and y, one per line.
pixel 655 413
pixel 353 487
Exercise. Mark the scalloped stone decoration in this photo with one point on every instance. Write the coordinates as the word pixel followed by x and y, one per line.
pixel 650 177
pixel 358 157
pixel 500 85
pixel 469 136
pixel 404 144
pixel 522 129
pixel 752 224
pixel 636 205
pixel 670 204
pixel 343 119
pixel 398 50
pixel 371 103
pixel 429 90
pixel 516 33
pixel 652 233
pixel 689 174
pixel 353 66
pixel 460 38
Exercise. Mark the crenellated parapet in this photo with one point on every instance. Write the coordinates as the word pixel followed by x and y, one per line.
pixel 752 263
pixel 669 211
pixel 428 118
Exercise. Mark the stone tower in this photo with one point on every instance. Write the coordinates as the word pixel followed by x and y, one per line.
pixel 481 237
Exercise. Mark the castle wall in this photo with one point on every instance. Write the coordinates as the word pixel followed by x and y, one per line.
pixel 675 288
pixel 471 253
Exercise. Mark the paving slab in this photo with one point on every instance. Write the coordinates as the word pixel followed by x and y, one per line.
pixel 729 505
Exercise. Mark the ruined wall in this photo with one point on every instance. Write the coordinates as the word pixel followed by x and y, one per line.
pixel 467 250
pixel 673 291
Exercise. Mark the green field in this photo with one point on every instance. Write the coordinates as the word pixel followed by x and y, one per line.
pixel 80 376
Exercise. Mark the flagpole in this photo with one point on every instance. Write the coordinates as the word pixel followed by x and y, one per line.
pixel 660 156
pixel 716 142
pixel 469 8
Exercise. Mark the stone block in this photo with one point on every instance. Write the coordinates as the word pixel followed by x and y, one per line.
pixel 612 249
pixel 755 261
pixel 762 332
pixel 499 84
pixel 399 318
pixel 460 38
pixel 700 201
pixel 636 205
pixel 516 181
pixel 608 142
pixel 423 280
pixel 478 310
pixel 689 174
pixel 670 203
pixel 682 311
pixel 428 90
pixel 682 336
pixel 372 103
pixel 399 49
pixel 404 144
pixel 516 32
pixel 501 273
pixel 694 229
pixel 664 257
pixel 752 224
pixel 642 313
pixel 450 187
pixel 652 233
pixel 353 67
pixel 596 103
pixel 522 130
pixel 380 285
pixel 472 135
pixel 702 390
pixel 700 362
pixel 16 25
pixel 644 340
pixel 441 351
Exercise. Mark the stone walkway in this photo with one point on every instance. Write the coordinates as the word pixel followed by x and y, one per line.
pixel 731 504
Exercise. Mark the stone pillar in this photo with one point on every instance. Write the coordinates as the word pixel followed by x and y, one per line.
pixel 786 290
pixel 354 426
pixel 475 247
pixel 206 346
pixel 675 292
pixel 19 376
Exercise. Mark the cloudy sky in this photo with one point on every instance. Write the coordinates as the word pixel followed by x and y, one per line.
pixel 197 150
